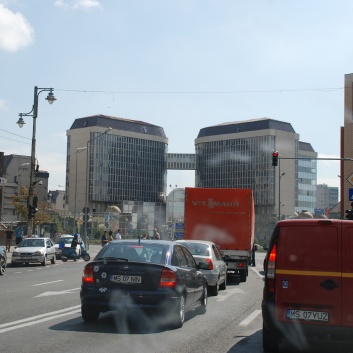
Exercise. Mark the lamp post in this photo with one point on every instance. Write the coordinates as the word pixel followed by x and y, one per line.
pixel 34 113
pixel 279 195
pixel 79 150
pixel 86 209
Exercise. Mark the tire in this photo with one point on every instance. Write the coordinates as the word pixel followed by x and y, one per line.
pixel 243 274
pixel 179 315
pixel 63 258
pixel 2 266
pixel 214 290
pixel 44 263
pixel 53 260
pixel 86 257
pixel 204 300
pixel 89 313
pixel 270 341
pixel 223 285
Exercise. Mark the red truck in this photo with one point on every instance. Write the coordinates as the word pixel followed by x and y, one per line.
pixel 225 217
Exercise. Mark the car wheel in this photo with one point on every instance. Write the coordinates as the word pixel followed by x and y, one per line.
pixel 53 260
pixel 223 285
pixel 214 290
pixel 63 258
pixel 204 300
pixel 180 313
pixel 44 263
pixel 89 313
pixel 2 266
pixel 270 341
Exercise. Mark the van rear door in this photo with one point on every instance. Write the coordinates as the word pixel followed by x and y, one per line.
pixel 347 273
pixel 308 272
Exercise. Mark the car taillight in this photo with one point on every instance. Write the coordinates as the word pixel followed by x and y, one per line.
pixel 168 279
pixel 271 269
pixel 210 264
pixel 87 276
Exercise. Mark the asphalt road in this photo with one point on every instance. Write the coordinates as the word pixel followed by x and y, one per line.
pixel 40 312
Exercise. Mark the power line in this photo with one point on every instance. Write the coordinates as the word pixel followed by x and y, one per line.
pixel 6 138
pixel 27 138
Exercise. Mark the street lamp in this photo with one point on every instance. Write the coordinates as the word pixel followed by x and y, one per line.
pixel 279 195
pixel 79 150
pixel 86 209
pixel 34 113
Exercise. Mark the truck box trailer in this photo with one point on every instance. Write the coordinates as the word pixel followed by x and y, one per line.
pixel 225 217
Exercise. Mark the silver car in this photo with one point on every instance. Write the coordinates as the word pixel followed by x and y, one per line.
pixel 215 269
pixel 38 250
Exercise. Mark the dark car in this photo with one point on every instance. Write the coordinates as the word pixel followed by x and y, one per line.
pixel 3 260
pixel 151 275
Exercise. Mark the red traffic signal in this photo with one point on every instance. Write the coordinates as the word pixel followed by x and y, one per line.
pixel 274 158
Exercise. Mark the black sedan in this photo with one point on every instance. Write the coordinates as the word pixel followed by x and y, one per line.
pixel 151 275
pixel 3 260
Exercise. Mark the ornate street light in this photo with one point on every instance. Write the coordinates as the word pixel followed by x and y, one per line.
pixel 34 113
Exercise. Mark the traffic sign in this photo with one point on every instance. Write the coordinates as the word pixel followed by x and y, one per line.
pixel 350 179
pixel 3 181
pixel 350 192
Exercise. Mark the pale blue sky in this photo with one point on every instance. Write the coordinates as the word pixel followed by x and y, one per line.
pixel 182 65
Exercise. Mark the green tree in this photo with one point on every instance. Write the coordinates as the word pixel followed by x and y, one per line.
pixel 19 201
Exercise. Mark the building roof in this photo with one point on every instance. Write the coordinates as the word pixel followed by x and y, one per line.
pixel 105 121
pixel 305 146
pixel 244 126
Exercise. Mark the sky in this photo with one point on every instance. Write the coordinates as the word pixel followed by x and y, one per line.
pixel 179 64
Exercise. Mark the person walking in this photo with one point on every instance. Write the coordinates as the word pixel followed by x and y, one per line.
pixel 254 248
pixel 19 234
pixel 118 234
pixel 104 238
pixel 110 235
pixel 9 237
pixel 156 235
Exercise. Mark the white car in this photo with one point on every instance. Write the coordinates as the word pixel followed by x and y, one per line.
pixel 38 250
pixel 65 241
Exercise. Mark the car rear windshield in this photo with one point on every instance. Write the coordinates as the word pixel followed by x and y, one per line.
pixel 150 253
pixel 198 249
pixel 66 240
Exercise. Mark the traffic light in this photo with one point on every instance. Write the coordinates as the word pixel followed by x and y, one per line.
pixel 274 158
pixel 32 211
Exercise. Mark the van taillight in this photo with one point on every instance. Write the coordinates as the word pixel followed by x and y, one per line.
pixel 271 269
pixel 168 279
pixel 87 276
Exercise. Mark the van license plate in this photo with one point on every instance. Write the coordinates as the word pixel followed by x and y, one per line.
pixel 307 315
pixel 126 279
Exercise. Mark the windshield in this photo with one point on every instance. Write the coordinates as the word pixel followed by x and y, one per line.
pixel 198 249
pixel 32 242
pixel 152 253
pixel 66 240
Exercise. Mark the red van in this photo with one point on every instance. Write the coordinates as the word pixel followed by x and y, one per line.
pixel 308 291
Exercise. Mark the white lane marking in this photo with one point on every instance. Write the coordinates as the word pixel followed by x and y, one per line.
pixel 228 294
pixel 42 284
pixel 257 272
pixel 250 318
pixel 39 318
pixel 47 294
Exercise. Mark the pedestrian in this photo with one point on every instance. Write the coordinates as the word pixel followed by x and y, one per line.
pixel 56 236
pixel 9 237
pixel 118 234
pixel 144 236
pixel 156 235
pixel 19 234
pixel 110 235
pixel 254 249
pixel 104 238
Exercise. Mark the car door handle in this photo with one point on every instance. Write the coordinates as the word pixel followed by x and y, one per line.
pixel 329 284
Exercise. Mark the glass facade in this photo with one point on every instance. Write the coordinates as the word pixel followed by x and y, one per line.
pixel 307 177
pixel 125 168
pixel 238 163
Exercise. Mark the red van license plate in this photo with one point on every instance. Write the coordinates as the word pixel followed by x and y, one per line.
pixel 307 315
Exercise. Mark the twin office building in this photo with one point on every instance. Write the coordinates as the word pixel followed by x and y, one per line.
pixel 119 162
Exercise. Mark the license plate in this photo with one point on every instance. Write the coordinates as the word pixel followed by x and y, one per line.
pixel 307 315
pixel 125 279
